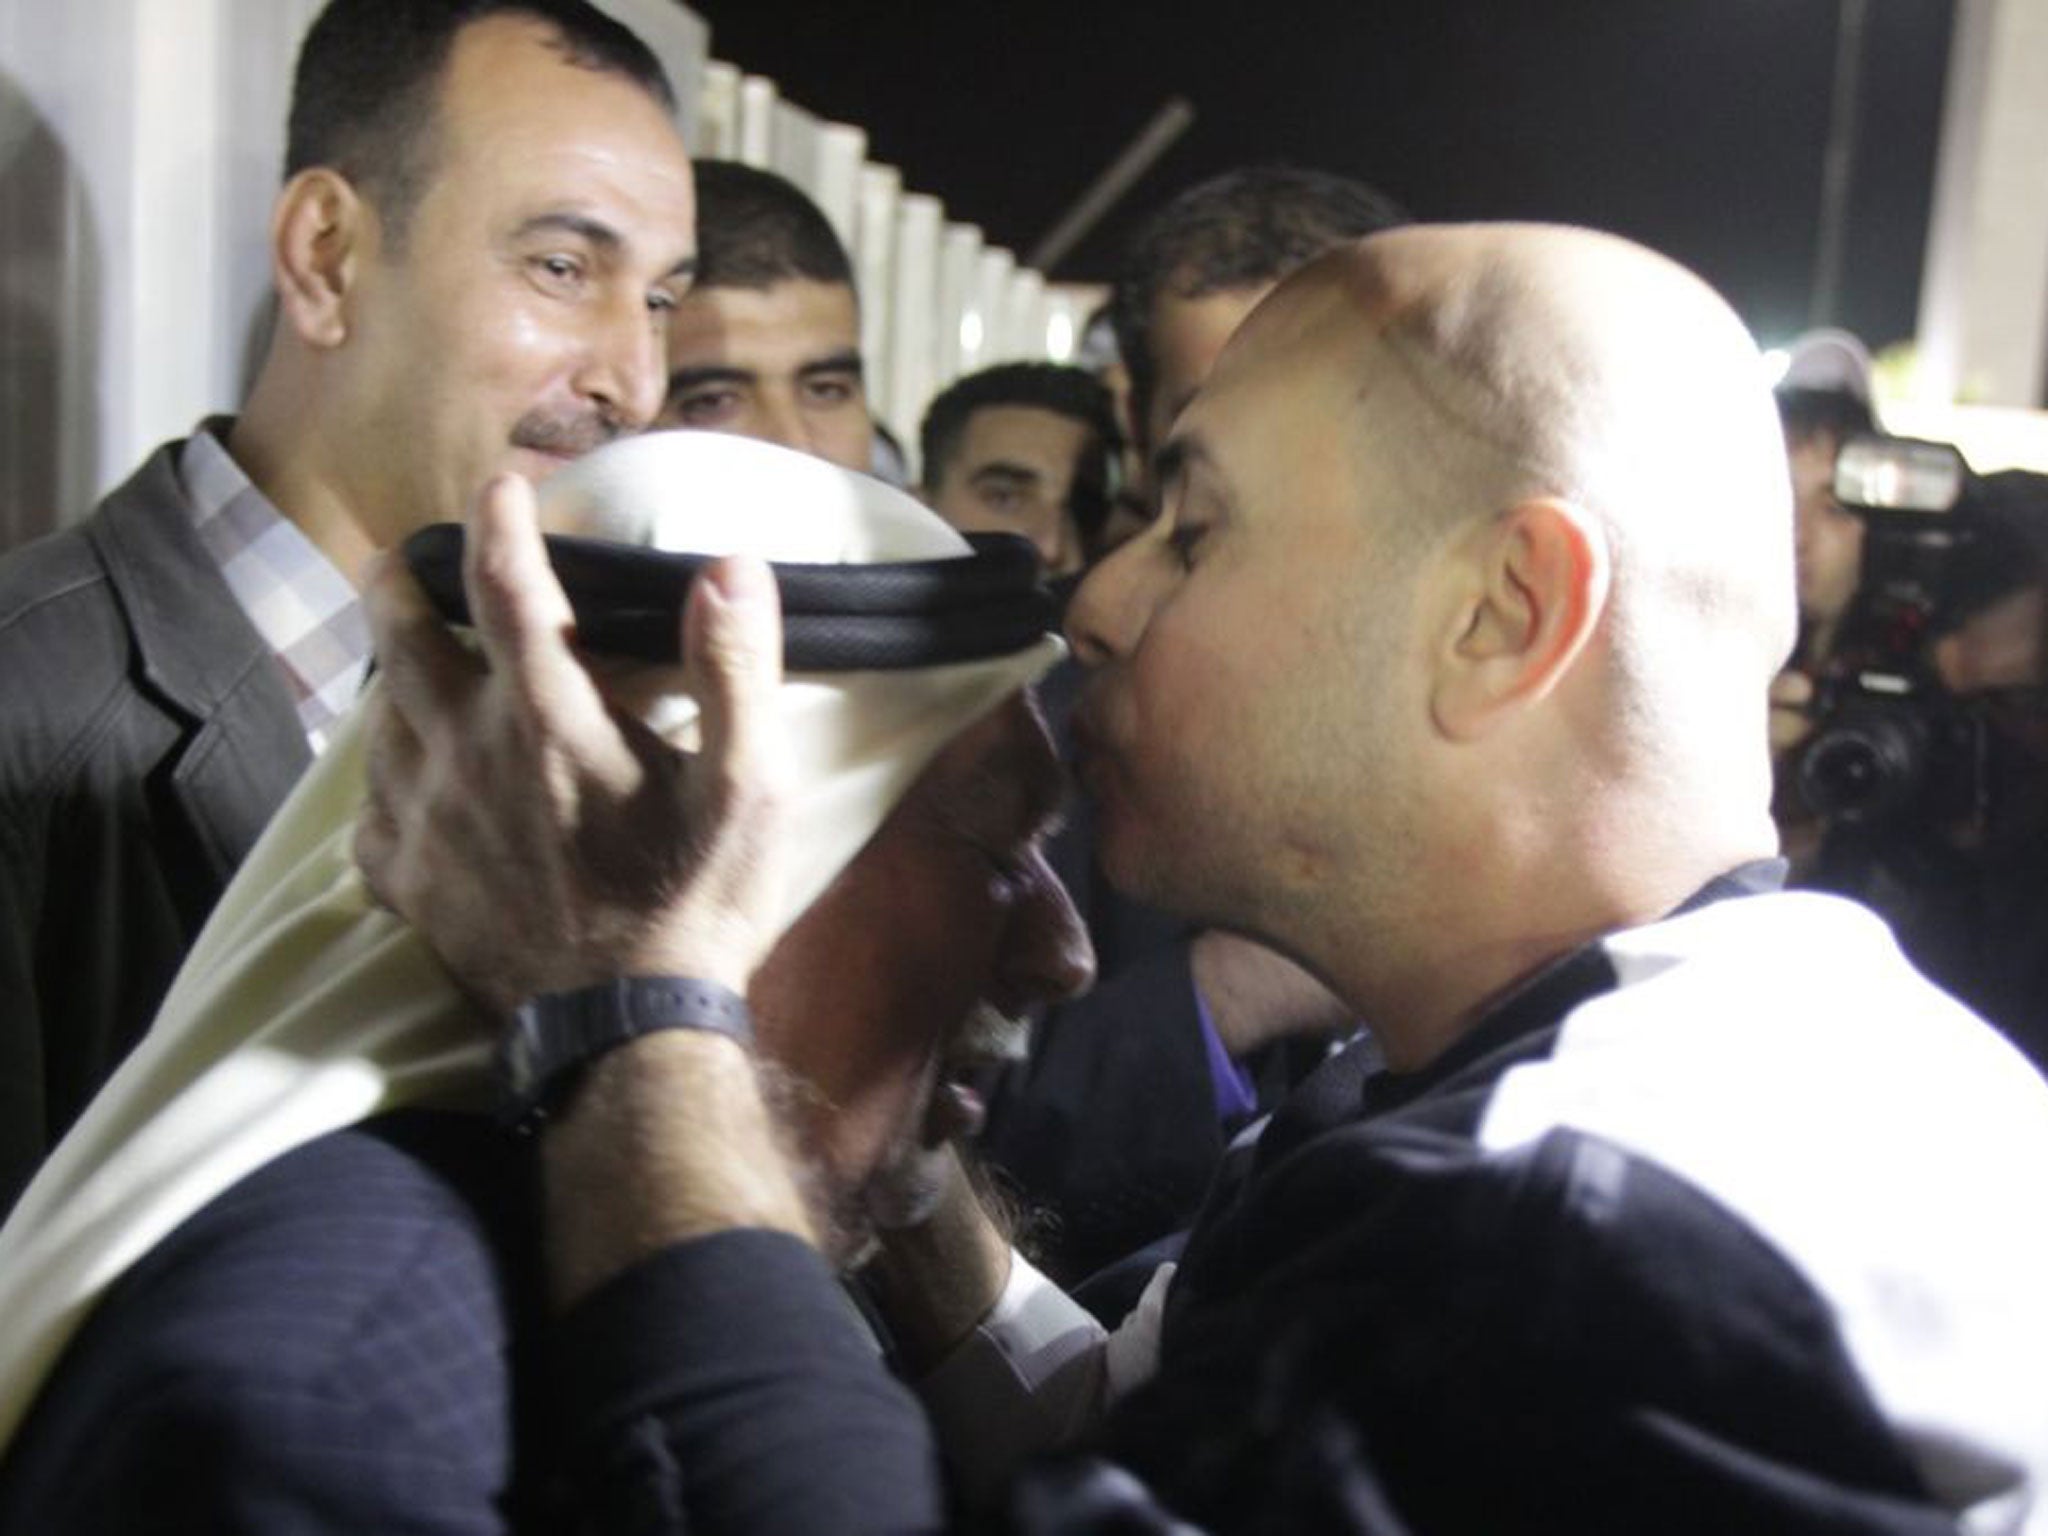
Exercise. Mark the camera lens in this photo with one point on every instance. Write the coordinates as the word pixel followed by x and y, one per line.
pixel 1865 767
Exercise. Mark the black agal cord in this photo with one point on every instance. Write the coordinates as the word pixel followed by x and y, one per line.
pixel 628 601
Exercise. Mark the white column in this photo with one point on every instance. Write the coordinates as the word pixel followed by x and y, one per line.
pixel 1024 317
pixel 679 38
pixel 794 155
pixel 718 113
pixel 982 328
pixel 913 344
pixel 874 256
pixel 1984 294
pixel 757 122
pixel 842 148
pixel 959 259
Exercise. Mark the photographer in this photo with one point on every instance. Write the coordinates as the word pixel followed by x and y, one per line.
pixel 1823 401
pixel 1912 730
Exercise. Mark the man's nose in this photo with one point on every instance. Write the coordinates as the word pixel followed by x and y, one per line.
pixel 1113 604
pixel 1047 957
pixel 625 368
pixel 779 419
pixel 1059 546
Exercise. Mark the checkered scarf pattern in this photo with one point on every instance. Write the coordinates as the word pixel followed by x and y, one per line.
pixel 305 610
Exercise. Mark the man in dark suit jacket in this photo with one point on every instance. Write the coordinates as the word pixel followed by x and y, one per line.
pixel 457 295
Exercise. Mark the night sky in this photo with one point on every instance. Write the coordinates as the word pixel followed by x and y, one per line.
pixel 1696 126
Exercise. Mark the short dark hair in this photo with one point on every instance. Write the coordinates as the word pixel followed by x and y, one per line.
pixel 1808 413
pixel 1242 229
pixel 1071 392
pixel 755 230
pixel 367 85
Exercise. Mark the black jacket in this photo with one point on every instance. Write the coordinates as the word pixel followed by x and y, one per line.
pixel 1662 1244
pixel 146 736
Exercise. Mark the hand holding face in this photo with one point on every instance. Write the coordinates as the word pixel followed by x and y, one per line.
pixel 539 837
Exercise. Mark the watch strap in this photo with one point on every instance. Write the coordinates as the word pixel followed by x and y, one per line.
pixel 554 1037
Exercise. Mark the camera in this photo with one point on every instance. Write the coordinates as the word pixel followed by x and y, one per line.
pixel 1893 746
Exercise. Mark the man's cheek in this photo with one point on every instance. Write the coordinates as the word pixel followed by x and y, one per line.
pixel 888 1109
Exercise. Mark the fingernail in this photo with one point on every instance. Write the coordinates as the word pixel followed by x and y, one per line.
pixel 744 583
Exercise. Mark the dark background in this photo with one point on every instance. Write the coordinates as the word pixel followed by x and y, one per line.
pixel 1696 126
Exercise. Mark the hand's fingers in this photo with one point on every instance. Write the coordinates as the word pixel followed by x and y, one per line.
pixel 732 645
pixel 522 616
pixel 1791 690
pixel 425 669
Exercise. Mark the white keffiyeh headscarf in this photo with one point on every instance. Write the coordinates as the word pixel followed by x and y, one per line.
pixel 304 1007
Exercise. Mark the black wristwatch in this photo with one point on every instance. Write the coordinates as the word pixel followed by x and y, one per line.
pixel 558 1034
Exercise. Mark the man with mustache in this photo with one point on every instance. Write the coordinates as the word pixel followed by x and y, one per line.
pixel 484 224
pixel 1680 1204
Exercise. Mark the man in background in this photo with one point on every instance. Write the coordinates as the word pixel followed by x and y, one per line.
pixel 1024 448
pixel 1199 265
pixel 767 342
pixel 484 226
pixel 1823 401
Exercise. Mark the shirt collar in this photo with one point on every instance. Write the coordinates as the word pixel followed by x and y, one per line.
pixel 305 610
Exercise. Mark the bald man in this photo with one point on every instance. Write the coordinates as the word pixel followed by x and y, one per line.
pixel 1682 1203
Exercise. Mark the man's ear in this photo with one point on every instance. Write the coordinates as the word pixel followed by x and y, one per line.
pixel 321 231
pixel 1536 581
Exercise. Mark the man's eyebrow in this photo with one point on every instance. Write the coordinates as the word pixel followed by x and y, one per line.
pixel 1006 472
pixel 711 373
pixel 582 225
pixel 846 361
pixel 595 232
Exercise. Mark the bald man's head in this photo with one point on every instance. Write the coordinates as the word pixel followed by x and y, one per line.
pixel 1477 540
pixel 1493 364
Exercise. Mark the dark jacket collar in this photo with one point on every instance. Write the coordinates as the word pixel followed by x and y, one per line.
pixel 199 657
pixel 194 644
pixel 1539 1001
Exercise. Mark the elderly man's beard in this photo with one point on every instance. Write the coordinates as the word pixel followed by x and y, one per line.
pixel 904 1184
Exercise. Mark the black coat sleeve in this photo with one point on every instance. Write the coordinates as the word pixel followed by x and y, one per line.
pixel 1419 1342
pixel 728 1386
